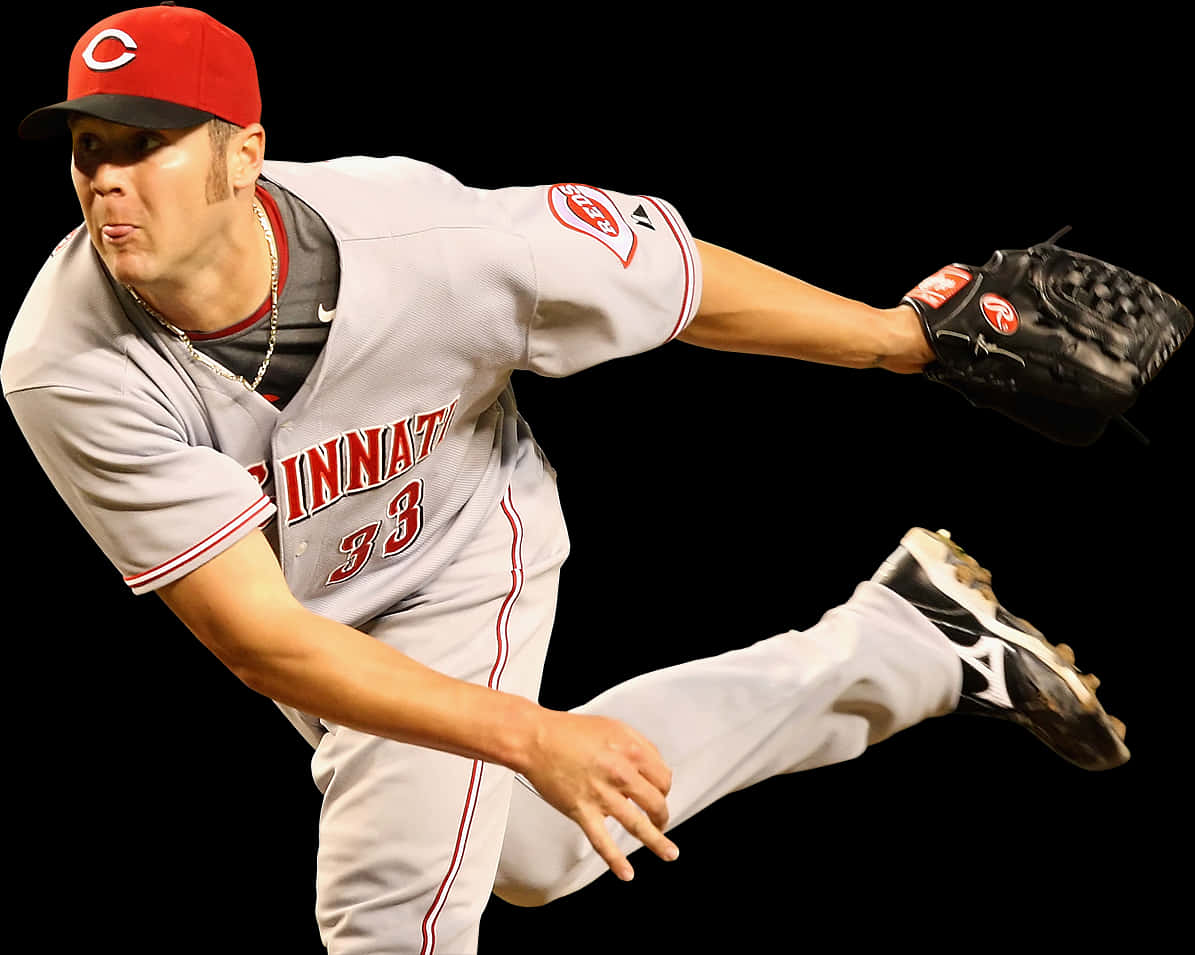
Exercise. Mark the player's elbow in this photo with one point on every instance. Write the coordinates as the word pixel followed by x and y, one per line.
pixel 251 669
pixel 246 654
pixel 263 653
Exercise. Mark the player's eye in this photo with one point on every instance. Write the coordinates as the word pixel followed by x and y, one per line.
pixel 146 142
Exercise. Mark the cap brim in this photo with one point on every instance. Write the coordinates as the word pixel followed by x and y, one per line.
pixel 139 111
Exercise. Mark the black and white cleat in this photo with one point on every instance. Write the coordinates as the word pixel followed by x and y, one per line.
pixel 1010 671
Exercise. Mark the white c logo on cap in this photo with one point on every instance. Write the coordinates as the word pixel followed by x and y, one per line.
pixel 127 56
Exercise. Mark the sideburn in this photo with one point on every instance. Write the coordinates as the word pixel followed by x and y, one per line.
pixel 217 187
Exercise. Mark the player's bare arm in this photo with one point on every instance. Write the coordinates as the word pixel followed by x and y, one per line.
pixel 747 306
pixel 239 606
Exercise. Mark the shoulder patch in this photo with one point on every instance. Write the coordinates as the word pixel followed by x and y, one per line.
pixel 65 241
pixel 591 212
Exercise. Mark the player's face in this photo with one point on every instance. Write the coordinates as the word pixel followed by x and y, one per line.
pixel 152 205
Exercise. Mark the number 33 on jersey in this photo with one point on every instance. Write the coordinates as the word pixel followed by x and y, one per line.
pixel 363 460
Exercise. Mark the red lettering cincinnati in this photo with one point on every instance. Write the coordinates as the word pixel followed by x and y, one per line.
pixel 318 476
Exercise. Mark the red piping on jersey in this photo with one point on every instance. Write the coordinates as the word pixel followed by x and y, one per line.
pixel 275 217
pixel 688 305
pixel 502 633
pixel 250 515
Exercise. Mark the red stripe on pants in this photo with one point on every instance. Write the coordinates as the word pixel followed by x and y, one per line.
pixel 502 634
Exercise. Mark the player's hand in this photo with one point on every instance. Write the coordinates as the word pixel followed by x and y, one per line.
pixel 591 767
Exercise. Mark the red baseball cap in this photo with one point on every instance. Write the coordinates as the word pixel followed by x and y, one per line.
pixel 163 67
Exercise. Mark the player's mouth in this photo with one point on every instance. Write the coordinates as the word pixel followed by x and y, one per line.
pixel 117 232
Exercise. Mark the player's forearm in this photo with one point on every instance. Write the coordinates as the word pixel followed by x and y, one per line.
pixel 342 675
pixel 749 307
pixel 239 607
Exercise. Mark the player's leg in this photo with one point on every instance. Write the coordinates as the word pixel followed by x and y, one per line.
pixel 406 846
pixel 792 702
pixel 923 635
pixel 409 838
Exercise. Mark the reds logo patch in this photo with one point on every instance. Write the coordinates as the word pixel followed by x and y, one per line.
pixel 591 212
pixel 999 313
pixel 941 287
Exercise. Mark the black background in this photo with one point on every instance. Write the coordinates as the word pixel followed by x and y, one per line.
pixel 713 499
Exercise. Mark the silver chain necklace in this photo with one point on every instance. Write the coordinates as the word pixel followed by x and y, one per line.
pixel 185 339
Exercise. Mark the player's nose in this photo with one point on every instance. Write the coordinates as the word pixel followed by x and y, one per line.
pixel 107 178
pixel 102 171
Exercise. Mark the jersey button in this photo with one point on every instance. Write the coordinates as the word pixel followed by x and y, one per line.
pixel 301 548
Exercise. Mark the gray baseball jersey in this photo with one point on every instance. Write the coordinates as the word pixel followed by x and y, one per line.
pixel 404 435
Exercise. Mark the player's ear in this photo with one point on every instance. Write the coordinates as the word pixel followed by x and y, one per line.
pixel 246 154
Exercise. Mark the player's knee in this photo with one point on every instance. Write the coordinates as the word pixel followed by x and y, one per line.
pixel 524 896
pixel 535 879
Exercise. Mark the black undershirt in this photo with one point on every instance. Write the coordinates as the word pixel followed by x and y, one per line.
pixel 309 282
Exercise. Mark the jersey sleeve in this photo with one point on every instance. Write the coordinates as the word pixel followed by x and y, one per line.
pixel 157 506
pixel 615 274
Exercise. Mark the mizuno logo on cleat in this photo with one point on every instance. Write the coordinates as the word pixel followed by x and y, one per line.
pixel 986 657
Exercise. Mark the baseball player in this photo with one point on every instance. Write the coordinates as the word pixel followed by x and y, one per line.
pixel 278 395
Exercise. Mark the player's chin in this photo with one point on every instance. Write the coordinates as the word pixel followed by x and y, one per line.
pixel 128 265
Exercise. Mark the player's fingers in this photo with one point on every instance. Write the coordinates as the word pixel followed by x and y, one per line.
pixel 635 821
pixel 594 827
pixel 650 799
pixel 657 772
pixel 649 762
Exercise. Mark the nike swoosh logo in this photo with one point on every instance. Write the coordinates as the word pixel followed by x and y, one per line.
pixel 326 315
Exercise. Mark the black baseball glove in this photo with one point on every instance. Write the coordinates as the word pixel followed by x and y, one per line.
pixel 1058 341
